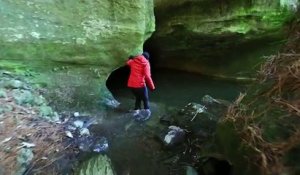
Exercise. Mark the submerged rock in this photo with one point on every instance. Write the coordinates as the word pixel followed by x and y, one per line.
pixel 200 119
pixel 193 109
pixel 100 145
pixel 195 118
pixel 207 99
pixel 191 171
pixel 92 144
pixel 215 106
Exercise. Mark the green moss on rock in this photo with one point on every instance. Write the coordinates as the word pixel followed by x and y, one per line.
pixel 103 32
pixel 99 164
pixel 217 37
pixel 3 93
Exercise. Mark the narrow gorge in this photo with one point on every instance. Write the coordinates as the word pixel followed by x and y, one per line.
pixel 227 87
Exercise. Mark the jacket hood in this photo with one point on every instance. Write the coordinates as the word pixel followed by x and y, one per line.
pixel 140 59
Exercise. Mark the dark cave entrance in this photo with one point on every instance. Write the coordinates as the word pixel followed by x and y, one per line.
pixel 215 166
pixel 117 80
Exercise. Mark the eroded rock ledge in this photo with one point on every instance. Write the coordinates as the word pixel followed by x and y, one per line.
pixel 87 31
pixel 217 37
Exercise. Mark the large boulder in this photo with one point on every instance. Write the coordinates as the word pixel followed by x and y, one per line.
pixel 199 119
pixel 79 31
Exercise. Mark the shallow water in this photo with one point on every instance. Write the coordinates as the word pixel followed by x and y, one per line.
pixel 176 88
pixel 139 152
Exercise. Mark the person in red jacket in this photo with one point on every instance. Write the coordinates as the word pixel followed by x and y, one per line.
pixel 139 80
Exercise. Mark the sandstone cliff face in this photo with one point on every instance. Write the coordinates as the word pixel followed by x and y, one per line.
pixel 212 37
pixel 78 31
pixel 218 36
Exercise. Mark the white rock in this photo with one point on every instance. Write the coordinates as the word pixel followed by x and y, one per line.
pixel 27 145
pixel 176 128
pixel 84 131
pixel 78 124
pixel 69 134
pixel 71 128
pixel 35 35
pixel 168 138
pixel 76 114
pixel 174 135
pixel 6 140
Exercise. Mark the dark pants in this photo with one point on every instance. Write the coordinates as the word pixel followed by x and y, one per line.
pixel 141 94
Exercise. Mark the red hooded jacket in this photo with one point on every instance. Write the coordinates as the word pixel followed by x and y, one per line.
pixel 139 73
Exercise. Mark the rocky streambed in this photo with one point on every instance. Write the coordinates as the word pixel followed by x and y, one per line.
pixel 37 140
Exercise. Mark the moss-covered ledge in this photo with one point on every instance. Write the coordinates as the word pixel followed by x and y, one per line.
pixel 87 32
pixel 217 37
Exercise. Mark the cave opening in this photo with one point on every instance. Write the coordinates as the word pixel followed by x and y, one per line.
pixel 188 61
pixel 117 80
pixel 215 166
pixel 175 88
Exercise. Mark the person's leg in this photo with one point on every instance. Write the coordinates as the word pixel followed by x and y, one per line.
pixel 145 98
pixel 142 94
pixel 138 98
pixel 146 113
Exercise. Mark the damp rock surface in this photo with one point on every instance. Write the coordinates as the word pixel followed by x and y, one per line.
pixel 103 32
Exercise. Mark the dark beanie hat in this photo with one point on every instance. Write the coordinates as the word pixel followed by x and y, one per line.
pixel 146 55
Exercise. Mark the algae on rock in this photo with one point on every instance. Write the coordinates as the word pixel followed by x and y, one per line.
pixel 25 156
pixel 99 164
